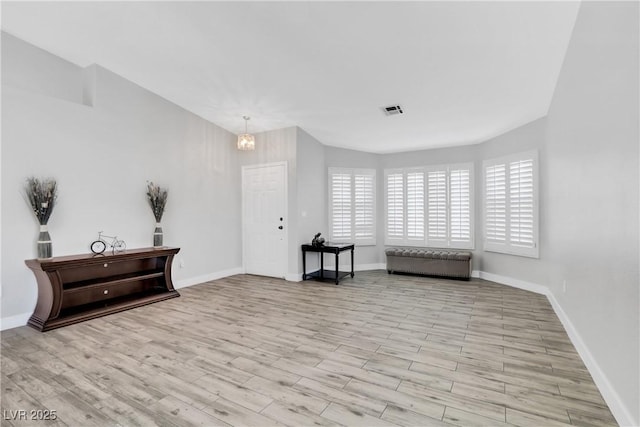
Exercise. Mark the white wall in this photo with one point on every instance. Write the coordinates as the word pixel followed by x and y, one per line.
pixel 592 205
pixel 589 187
pixel 62 79
pixel 102 157
pixel 312 195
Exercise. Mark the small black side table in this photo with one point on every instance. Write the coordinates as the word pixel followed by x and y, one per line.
pixel 328 248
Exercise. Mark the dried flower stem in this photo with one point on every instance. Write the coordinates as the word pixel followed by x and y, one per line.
pixel 41 195
pixel 157 197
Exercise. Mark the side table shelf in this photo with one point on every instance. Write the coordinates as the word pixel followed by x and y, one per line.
pixel 327 275
pixel 72 289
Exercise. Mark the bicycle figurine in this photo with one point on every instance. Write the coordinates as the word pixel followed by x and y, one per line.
pixel 100 245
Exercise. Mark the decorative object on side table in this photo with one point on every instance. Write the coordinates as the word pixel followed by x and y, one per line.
pixel 157 197
pixel 100 245
pixel 317 241
pixel 41 195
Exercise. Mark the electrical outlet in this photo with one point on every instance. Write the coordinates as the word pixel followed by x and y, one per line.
pixel 564 286
pixel 181 263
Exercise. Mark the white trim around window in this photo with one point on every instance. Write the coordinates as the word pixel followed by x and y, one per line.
pixel 510 205
pixel 352 205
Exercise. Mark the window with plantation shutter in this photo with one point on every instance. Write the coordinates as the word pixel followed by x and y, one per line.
pixel 511 205
pixel 341 206
pixel 495 199
pixel 415 206
pixel 460 205
pixel 394 184
pixel 352 206
pixel 521 203
pixel 437 208
pixel 450 206
pixel 430 206
pixel 364 206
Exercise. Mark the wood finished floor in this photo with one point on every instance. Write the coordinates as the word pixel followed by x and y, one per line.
pixel 377 350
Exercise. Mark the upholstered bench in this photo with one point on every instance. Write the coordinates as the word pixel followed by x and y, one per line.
pixel 430 262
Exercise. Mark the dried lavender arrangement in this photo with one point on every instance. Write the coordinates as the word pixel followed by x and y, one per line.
pixel 41 195
pixel 157 197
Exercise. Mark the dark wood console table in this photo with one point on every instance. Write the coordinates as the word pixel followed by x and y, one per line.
pixel 72 289
pixel 328 248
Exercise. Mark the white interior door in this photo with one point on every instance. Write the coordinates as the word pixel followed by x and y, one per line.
pixel 264 206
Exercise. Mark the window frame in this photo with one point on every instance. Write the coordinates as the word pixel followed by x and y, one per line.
pixel 352 238
pixel 425 241
pixel 509 246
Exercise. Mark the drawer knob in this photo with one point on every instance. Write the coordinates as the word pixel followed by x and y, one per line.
pixel 106 265
pixel 106 291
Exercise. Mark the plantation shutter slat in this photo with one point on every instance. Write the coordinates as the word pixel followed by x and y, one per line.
pixel 364 206
pixel 415 206
pixel 437 206
pixel 460 205
pixel 521 203
pixel 395 206
pixel 495 204
pixel 341 206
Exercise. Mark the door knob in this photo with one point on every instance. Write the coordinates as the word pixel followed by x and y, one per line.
pixel 280 228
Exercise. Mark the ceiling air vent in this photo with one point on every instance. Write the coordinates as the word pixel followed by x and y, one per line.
pixel 392 110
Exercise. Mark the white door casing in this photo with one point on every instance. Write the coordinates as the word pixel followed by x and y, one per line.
pixel 264 221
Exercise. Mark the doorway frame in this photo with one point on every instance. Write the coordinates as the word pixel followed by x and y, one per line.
pixel 245 237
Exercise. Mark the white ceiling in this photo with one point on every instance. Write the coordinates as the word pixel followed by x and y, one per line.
pixel 463 71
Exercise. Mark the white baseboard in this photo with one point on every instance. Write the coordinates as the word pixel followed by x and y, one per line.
pixel 206 277
pixel 367 267
pixel 14 321
pixel 621 413
pixel 514 283
pixel 293 277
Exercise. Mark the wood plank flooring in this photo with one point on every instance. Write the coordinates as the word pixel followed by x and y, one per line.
pixel 377 350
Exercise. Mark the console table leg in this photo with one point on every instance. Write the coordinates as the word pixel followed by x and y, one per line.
pixel 352 263
pixel 304 264
pixel 337 265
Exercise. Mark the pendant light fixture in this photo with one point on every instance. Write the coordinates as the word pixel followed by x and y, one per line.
pixel 246 141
